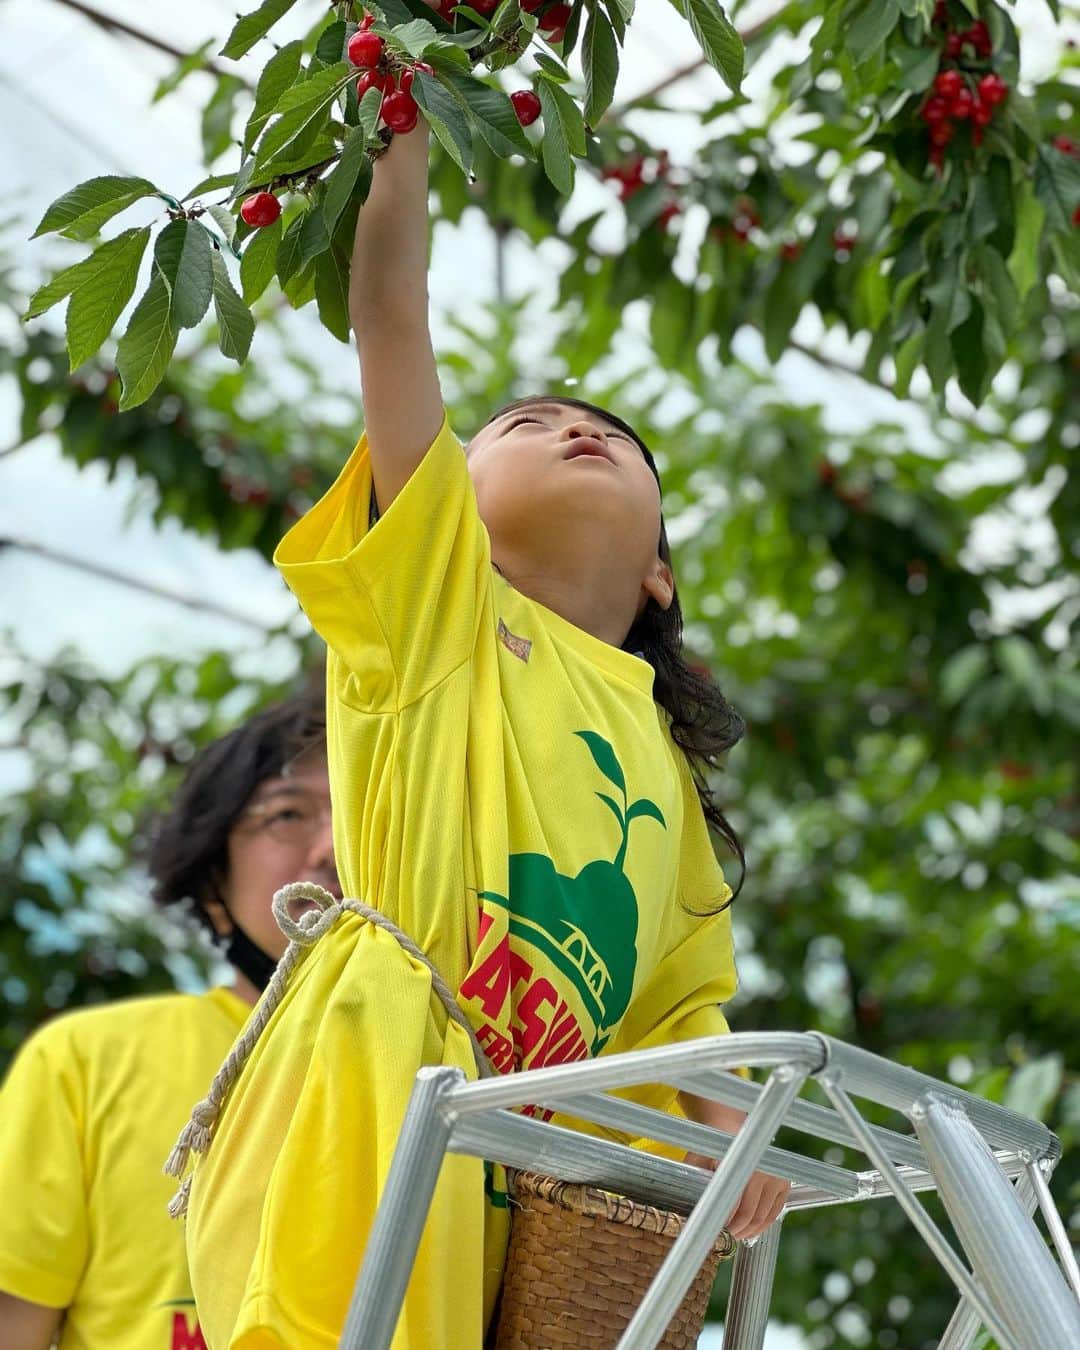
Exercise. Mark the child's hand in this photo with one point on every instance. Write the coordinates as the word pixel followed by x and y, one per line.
pixel 764 1196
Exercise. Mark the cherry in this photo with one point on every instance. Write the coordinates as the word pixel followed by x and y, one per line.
pixel 979 37
pixel 667 214
pixel 261 209
pixel 954 45
pixel 485 7
pixel 1067 146
pixel 993 89
pixel 981 113
pixel 935 110
pixel 409 74
pixel 400 111
pixel 366 21
pixel 941 14
pixel 553 23
pixel 1076 216
pixel 843 242
pixel 374 79
pixel 949 83
pixel 790 249
pixel 530 6
pixel 526 105
pixel 962 105
pixel 941 134
pixel 446 10
pixel 365 49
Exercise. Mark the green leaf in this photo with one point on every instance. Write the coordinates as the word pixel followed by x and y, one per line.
pixel 249 28
pixel 332 291
pixel 906 359
pixel 143 353
pixel 314 236
pixel 600 57
pixel 279 75
pixel 962 672
pixel 1057 186
pixel 103 258
pixel 351 172
pixel 552 68
pixel 564 132
pixel 183 253
pixel 969 349
pixel 604 757
pixel 1033 1087
pixel 869 30
pixel 102 290
pixel 259 261
pixel 1019 660
pixel 643 808
pixel 287 261
pixel 445 112
pixel 213 183
pixel 235 321
pixel 415 37
pixel 368 112
pixel 80 213
pixel 304 110
pixel 720 42
pixel 195 60
pixel 493 113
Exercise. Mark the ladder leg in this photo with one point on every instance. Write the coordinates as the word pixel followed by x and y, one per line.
pixel 395 1235
pixel 965 1323
pixel 721 1195
pixel 751 1291
pixel 1010 1261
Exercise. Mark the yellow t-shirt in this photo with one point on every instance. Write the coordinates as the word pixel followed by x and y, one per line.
pixel 507 791
pixel 90 1108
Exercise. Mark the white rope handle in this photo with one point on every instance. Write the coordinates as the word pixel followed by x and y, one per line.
pixel 302 933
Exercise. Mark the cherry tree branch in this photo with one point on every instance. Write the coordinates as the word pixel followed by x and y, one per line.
pixel 113 25
pixel 133 583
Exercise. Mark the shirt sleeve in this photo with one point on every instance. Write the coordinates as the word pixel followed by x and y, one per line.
pixel 396 601
pixel 43 1220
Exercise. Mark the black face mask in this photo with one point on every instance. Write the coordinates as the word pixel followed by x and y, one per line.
pixel 249 959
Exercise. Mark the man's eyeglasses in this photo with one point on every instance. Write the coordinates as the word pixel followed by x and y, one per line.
pixel 296 821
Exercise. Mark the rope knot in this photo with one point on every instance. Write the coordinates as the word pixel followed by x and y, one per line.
pixel 313 923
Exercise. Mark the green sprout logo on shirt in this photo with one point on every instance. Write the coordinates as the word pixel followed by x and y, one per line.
pixel 586 925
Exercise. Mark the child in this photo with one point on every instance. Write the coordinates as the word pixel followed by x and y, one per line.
pixel 506 789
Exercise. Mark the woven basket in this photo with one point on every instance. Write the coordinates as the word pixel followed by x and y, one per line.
pixel 579 1263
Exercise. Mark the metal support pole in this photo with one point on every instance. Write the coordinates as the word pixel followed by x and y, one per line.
pixel 403 1209
pixel 922 1221
pixel 964 1325
pixel 751 1291
pixel 1066 1255
pixel 1002 1242
pixel 704 1225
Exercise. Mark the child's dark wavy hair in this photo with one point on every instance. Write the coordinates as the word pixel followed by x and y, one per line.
pixel 703 723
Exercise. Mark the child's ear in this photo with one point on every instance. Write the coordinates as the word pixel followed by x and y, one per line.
pixel 660 584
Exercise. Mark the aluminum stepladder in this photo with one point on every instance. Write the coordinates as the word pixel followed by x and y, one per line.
pixel 990 1166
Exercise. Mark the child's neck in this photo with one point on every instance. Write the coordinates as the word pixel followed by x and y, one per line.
pixel 586 602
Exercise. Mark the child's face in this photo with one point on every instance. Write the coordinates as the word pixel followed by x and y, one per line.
pixel 555 482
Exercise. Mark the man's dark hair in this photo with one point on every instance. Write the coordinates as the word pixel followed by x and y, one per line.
pixel 703 723
pixel 186 848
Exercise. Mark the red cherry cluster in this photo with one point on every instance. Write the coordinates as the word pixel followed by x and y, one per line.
pixel 399 110
pixel 959 94
pixel 638 172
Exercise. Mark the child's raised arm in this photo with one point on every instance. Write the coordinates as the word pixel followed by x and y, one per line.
pixel 388 306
